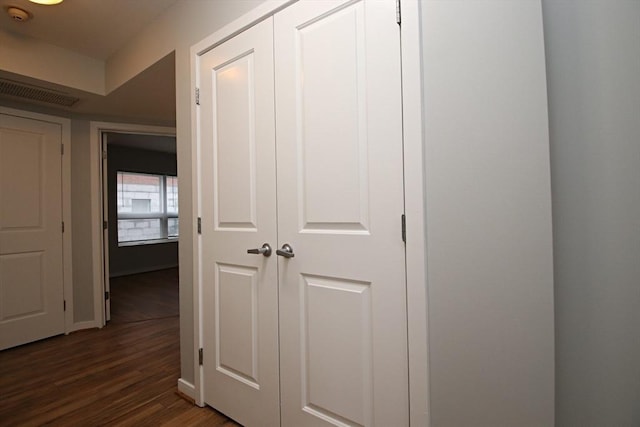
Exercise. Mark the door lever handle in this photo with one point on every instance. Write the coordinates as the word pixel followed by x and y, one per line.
pixel 286 251
pixel 264 250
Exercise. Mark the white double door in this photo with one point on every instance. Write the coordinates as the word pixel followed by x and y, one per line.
pixel 301 143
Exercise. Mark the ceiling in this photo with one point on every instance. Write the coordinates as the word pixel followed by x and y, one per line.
pixel 95 28
pixel 98 28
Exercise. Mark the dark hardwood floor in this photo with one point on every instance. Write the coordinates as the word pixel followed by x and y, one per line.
pixel 145 296
pixel 122 375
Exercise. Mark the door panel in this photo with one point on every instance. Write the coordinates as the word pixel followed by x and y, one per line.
pixel 235 157
pixel 22 286
pixel 331 122
pixel 31 285
pixel 337 379
pixel 237 170
pixel 22 166
pixel 343 332
pixel 237 322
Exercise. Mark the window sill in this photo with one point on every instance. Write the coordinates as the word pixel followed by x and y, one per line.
pixel 147 242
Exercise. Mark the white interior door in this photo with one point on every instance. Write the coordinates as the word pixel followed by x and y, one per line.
pixel 343 332
pixel 238 204
pixel 31 281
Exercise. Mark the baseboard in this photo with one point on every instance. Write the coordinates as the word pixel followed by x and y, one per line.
pixel 148 269
pixel 187 389
pixel 78 326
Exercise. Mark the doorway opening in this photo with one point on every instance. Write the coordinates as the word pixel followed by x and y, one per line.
pixel 135 149
pixel 141 225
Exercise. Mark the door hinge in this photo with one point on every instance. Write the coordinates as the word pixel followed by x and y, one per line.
pixel 398 14
pixel 105 225
pixel 64 305
pixel 104 154
pixel 197 96
pixel 62 149
pixel 106 295
pixel 199 225
pixel 200 356
pixel 63 226
pixel 404 228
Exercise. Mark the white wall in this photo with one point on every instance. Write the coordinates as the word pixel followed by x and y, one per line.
pixel 83 306
pixel 488 204
pixel 593 66
pixel 43 61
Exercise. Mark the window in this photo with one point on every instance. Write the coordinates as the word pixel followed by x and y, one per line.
pixel 147 208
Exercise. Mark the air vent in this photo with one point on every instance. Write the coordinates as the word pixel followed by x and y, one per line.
pixel 35 93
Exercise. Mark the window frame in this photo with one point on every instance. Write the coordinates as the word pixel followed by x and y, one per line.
pixel 163 215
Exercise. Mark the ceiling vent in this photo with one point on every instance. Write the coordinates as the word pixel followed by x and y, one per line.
pixel 36 93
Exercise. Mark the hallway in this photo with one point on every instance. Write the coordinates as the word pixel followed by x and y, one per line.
pixel 123 374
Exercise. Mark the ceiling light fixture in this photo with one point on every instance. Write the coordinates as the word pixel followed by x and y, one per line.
pixel 46 2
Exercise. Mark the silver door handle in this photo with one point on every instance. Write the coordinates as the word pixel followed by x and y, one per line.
pixel 286 251
pixel 264 250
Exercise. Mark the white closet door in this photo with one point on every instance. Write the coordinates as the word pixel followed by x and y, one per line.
pixel 31 285
pixel 343 332
pixel 238 194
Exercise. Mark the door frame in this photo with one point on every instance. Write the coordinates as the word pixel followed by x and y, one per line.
pixel 416 257
pixel 105 230
pixel 100 243
pixel 67 261
pixel 415 210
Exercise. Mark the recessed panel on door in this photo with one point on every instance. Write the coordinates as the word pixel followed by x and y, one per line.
pixel 237 323
pixel 22 156
pixel 332 132
pixel 22 291
pixel 336 345
pixel 234 144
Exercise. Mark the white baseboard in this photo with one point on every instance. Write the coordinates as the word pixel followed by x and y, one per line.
pixel 78 326
pixel 187 389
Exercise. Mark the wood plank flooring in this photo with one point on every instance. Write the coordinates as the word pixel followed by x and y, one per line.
pixel 144 296
pixel 122 375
